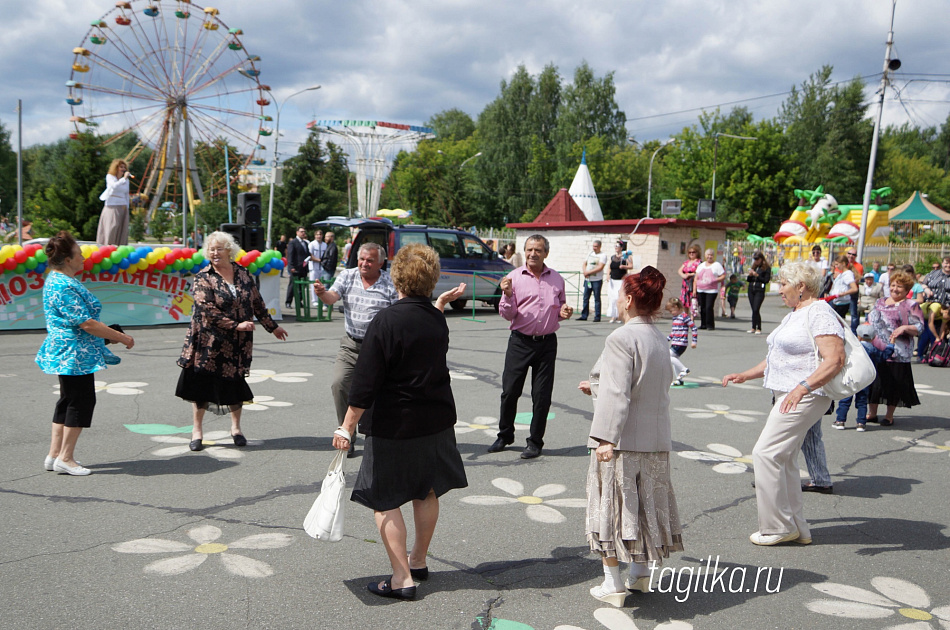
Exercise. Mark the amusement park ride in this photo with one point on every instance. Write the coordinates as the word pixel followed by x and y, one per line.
pixel 176 78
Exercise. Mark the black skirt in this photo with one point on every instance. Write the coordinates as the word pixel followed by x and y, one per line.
pixel 212 392
pixel 395 472
pixel 894 385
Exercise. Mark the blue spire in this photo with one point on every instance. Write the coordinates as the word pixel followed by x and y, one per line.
pixel 584 156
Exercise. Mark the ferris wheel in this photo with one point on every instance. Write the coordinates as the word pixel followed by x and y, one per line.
pixel 175 77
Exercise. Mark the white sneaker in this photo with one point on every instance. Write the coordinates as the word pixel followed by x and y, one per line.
pixel 77 471
pixel 678 382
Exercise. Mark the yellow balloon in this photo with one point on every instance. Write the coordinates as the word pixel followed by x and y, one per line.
pixel 142 264
pixel 152 258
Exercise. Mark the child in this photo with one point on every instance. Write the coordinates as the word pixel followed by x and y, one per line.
pixel 866 335
pixel 732 294
pixel 679 337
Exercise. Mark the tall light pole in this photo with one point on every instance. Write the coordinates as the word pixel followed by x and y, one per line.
pixel 467 160
pixel 273 182
pixel 650 174
pixel 716 157
pixel 889 64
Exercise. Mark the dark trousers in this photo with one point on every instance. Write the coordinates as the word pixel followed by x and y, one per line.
pixel 540 356
pixel 77 400
pixel 290 288
pixel 854 313
pixel 707 310
pixel 841 309
pixel 924 340
pixel 592 286
pixel 755 301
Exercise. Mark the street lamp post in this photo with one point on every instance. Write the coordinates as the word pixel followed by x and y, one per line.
pixel 466 161
pixel 650 174
pixel 273 183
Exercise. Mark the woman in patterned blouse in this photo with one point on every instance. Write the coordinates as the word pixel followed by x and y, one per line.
pixel 73 350
pixel 216 357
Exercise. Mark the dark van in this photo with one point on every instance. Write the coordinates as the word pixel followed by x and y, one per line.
pixel 462 255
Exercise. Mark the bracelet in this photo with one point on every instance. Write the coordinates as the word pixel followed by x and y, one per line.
pixel 343 433
pixel 804 383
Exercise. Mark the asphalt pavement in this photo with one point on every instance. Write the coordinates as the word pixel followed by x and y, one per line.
pixel 160 537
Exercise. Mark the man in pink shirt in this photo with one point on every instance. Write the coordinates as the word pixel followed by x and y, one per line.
pixel 533 300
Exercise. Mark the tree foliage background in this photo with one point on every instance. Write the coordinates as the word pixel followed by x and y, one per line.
pixel 505 163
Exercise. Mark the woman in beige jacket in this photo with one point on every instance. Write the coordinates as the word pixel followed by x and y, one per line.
pixel 630 439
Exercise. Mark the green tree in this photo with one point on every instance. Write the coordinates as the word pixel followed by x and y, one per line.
pixel 8 187
pixel 452 124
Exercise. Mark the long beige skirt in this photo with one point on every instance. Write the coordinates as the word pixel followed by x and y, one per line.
pixel 113 226
pixel 631 508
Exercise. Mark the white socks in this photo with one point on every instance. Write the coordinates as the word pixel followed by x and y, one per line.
pixel 612 582
pixel 638 571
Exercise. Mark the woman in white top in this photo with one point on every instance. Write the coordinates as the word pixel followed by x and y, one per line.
pixel 114 220
pixel 843 286
pixel 795 377
pixel 709 275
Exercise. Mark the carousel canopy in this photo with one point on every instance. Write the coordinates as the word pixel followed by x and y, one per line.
pixel 918 208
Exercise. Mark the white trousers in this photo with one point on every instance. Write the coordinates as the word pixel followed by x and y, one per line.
pixel 778 485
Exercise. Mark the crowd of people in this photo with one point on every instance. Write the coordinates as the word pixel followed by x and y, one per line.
pixel 391 381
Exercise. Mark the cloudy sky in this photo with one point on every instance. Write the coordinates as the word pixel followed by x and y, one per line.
pixel 404 61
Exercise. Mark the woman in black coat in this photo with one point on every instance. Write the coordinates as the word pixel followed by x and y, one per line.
pixel 759 278
pixel 402 399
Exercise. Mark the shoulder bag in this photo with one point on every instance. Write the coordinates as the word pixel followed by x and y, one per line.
pixel 858 371
pixel 325 519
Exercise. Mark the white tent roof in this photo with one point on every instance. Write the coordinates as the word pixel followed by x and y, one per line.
pixel 583 193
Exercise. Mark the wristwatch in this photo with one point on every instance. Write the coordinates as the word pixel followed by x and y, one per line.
pixel 804 383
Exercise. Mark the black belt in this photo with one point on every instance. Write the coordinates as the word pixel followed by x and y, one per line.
pixel 532 337
pixel 354 338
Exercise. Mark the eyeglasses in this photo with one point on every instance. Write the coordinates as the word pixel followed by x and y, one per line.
pixel 852 253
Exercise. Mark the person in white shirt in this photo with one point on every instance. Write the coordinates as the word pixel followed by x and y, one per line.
pixel 709 275
pixel 317 248
pixel 885 278
pixel 593 270
pixel 114 220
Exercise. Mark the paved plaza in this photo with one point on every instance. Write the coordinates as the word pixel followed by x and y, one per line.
pixel 160 537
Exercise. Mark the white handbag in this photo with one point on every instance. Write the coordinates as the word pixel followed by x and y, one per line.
pixel 858 371
pixel 325 519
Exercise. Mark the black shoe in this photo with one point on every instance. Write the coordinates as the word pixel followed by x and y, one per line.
pixel 288 305
pixel 419 574
pixel 596 319
pixel 873 420
pixel 498 446
pixel 582 319
pixel 702 328
pixel 239 439
pixel 530 452
pixel 388 591
pixel 822 489
pixel 196 445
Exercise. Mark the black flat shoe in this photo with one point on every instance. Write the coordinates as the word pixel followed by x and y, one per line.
pixel 498 446
pixel 393 593
pixel 196 445
pixel 873 420
pixel 822 489
pixel 239 439
pixel 419 574
pixel 885 422
pixel 530 452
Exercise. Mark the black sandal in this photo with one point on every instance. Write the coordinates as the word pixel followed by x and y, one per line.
pixel 383 589
pixel 196 445
pixel 873 420
pixel 885 422
pixel 239 439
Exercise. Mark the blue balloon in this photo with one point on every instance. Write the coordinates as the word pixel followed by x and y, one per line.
pixel 133 258
pixel 266 268
pixel 124 263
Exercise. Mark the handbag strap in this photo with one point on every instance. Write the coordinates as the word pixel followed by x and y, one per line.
pixel 811 335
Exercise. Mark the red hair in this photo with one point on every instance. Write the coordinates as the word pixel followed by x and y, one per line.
pixel 646 289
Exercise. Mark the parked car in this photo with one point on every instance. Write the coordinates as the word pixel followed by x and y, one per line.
pixel 463 256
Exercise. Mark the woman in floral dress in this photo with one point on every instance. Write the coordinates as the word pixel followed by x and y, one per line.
pixel 687 272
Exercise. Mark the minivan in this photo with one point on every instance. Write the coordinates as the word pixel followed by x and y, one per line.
pixel 463 256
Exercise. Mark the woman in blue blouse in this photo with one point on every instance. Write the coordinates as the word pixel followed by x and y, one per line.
pixel 73 350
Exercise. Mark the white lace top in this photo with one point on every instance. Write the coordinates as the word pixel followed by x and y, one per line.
pixel 791 356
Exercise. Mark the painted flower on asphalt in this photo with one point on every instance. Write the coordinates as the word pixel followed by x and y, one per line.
pixel 927 389
pixel 540 507
pixel 711 411
pixel 205 537
pixel 893 596
pixel 924 446
pixel 731 461
pixel 614 619
pixel 484 424
pixel 214 446
pixel 259 376
pixel 129 388
pixel 263 403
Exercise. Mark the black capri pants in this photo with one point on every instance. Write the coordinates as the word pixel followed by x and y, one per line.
pixel 77 400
